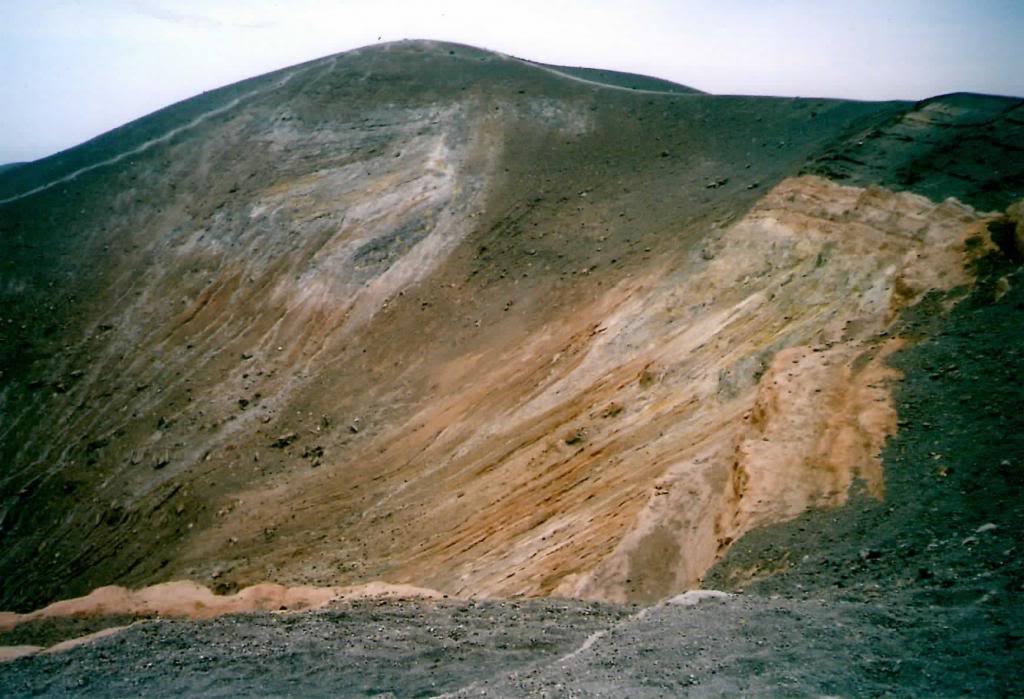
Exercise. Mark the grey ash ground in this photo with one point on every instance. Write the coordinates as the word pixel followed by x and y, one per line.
pixel 407 649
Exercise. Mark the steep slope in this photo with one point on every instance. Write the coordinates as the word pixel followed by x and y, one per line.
pixel 428 314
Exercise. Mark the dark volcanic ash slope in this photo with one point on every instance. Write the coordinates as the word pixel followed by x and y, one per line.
pixel 428 314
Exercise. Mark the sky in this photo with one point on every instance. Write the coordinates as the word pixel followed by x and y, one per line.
pixel 72 69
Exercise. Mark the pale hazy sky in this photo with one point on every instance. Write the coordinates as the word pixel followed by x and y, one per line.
pixel 71 69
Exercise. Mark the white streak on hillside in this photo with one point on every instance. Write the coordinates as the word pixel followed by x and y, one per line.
pixel 595 83
pixel 142 147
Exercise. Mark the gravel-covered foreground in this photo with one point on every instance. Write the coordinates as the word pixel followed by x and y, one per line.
pixel 745 645
pixel 365 649
pixel 757 646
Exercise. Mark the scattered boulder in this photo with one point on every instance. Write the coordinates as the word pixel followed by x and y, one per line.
pixel 314 452
pixel 284 440
pixel 691 598
pixel 575 436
